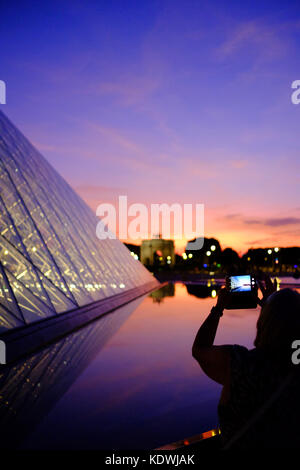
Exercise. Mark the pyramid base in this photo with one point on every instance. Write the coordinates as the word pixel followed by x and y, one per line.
pixel 30 338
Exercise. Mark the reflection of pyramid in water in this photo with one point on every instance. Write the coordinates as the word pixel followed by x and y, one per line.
pixel 50 258
pixel 30 388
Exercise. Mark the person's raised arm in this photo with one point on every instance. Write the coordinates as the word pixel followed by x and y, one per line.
pixel 214 360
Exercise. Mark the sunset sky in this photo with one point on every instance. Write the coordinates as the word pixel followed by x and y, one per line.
pixel 165 101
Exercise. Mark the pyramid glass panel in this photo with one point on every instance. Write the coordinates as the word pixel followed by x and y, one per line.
pixel 49 253
pixel 8 321
pixel 31 307
pixel 21 269
pixel 7 298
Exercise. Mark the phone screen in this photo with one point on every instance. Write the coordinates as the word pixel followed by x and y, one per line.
pixel 240 283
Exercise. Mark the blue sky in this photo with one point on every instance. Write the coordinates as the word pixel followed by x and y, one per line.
pixel 165 101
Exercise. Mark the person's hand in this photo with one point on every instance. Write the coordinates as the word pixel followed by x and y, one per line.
pixel 223 298
pixel 267 288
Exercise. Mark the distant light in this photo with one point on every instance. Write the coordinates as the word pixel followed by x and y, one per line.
pixel 160 258
pixel 248 259
pixel 168 257
pixel 122 286
pixel 214 293
pixel 190 255
pixel 184 255
pixel 205 265
pixel 276 261
pixel 213 247
pixel 276 249
pixel 168 261
pixel 295 266
pixel 34 248
pixel 135 256
pixel 269 251
pixel 208 253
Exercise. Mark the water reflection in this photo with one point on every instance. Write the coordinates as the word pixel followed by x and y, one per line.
pixel 29 389
pixel 166 291
pixel 202 291
pixel 125 381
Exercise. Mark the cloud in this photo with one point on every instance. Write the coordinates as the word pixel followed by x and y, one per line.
pixel 93 190
pixel 266 40
pixel 133 156
pixel 63 149
pixel 277 222
pixel 117 137
pixel 238 164
pixel 130 91
pixel 232 216
pixel 262 241
pixel 267 222
pixel 274 222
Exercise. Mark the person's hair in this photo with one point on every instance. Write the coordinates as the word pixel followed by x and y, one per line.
pixel 278 324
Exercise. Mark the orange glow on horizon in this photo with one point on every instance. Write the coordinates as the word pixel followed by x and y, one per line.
pixel 234 231
pixel 237 244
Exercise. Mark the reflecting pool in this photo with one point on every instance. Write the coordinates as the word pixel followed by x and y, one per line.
pixel 127 380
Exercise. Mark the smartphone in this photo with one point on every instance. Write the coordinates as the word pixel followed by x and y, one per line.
pixel 243 290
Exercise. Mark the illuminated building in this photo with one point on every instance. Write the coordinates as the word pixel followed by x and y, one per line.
pixel 158 251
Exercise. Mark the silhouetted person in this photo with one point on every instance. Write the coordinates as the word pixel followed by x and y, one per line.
pixel 259 404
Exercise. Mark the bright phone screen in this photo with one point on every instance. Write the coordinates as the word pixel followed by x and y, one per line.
pixel 240 283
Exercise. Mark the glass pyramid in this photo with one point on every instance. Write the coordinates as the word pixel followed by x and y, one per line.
pixel 50 258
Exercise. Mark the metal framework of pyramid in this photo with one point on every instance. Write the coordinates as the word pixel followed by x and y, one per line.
pixel 50 258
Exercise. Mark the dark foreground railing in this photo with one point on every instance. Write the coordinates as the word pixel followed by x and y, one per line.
pixel 206 440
